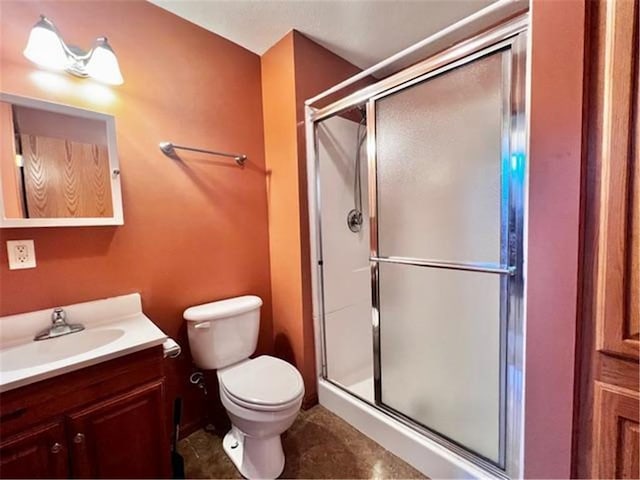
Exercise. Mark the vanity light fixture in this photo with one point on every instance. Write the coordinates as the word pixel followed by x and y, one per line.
pixel 47 49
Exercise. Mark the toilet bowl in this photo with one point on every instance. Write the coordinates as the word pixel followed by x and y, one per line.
pixel 262 396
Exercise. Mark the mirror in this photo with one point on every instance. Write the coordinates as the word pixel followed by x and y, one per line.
pixel 58 165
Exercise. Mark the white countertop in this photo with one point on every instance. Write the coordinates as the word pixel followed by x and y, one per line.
pixel 114 327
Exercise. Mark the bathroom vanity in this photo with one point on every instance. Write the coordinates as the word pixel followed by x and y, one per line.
pixel 96 412
pixel 103 421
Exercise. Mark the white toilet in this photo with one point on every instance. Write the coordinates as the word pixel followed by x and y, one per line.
pixel 262 395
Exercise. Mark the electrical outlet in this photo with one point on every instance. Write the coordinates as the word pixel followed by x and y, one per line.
pixel 22 254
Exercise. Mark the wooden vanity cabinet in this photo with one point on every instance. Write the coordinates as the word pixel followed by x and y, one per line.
pixel 103 421
pixel 38 452
pixel 120 436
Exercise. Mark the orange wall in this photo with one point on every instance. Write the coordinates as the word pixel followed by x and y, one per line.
pixel 557 30
pixel 293 70
pixel 194 231
pixel 279 110
pixel 318 69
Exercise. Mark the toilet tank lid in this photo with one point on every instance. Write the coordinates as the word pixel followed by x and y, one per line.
pixel 222 308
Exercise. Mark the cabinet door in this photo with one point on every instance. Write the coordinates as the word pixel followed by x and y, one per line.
pixel 122 437
pixel 617 432
pixel 36 453
pixel 608 428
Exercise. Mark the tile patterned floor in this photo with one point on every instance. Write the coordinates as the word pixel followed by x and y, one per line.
pixel 318 445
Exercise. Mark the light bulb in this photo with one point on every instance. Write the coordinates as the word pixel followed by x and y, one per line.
pixel 103 64
pixel 45 46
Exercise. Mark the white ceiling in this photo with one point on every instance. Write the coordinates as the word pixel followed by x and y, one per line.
pixel 361 31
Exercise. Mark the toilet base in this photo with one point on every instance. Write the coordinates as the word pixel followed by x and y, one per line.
pixel 255 458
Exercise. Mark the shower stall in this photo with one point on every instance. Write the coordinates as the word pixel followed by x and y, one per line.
pixel 417 193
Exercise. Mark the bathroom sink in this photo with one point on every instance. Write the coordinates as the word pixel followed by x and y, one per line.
pixel 46 351
pixel 113 327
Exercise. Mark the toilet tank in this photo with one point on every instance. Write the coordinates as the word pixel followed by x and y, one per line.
pixel 224 332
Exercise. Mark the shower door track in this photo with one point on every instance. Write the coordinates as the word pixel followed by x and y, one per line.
pixel 510 35
pixel 493 39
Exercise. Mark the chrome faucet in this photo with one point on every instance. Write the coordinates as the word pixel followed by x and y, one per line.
pixel 59 326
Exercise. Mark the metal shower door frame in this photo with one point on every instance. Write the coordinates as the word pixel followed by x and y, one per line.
pixel 513 147
pixel 512 36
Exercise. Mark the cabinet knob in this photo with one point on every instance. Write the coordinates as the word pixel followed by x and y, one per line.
pixel 79 438
pixel 56 447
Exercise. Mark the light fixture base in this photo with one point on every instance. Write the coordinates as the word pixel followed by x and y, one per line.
pixel 77 71
pixel 80 57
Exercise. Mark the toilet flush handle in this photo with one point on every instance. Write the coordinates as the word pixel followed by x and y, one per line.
pixel 202 325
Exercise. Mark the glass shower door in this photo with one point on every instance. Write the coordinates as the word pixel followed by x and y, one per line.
pixel 439 164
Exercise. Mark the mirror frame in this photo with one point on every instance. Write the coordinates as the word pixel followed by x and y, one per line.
pixel 114 169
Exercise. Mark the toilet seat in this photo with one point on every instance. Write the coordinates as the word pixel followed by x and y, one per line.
pixel 264 383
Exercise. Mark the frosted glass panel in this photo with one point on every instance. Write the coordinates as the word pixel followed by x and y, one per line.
pixel 438 159
pixel 440 351
pixel 347 280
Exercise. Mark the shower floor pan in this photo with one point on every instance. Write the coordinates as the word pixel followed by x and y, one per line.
pixel 424 454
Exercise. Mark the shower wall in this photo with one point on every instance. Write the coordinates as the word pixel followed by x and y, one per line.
pixel 347 287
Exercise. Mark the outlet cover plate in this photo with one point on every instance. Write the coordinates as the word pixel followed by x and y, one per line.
pixel 22 254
